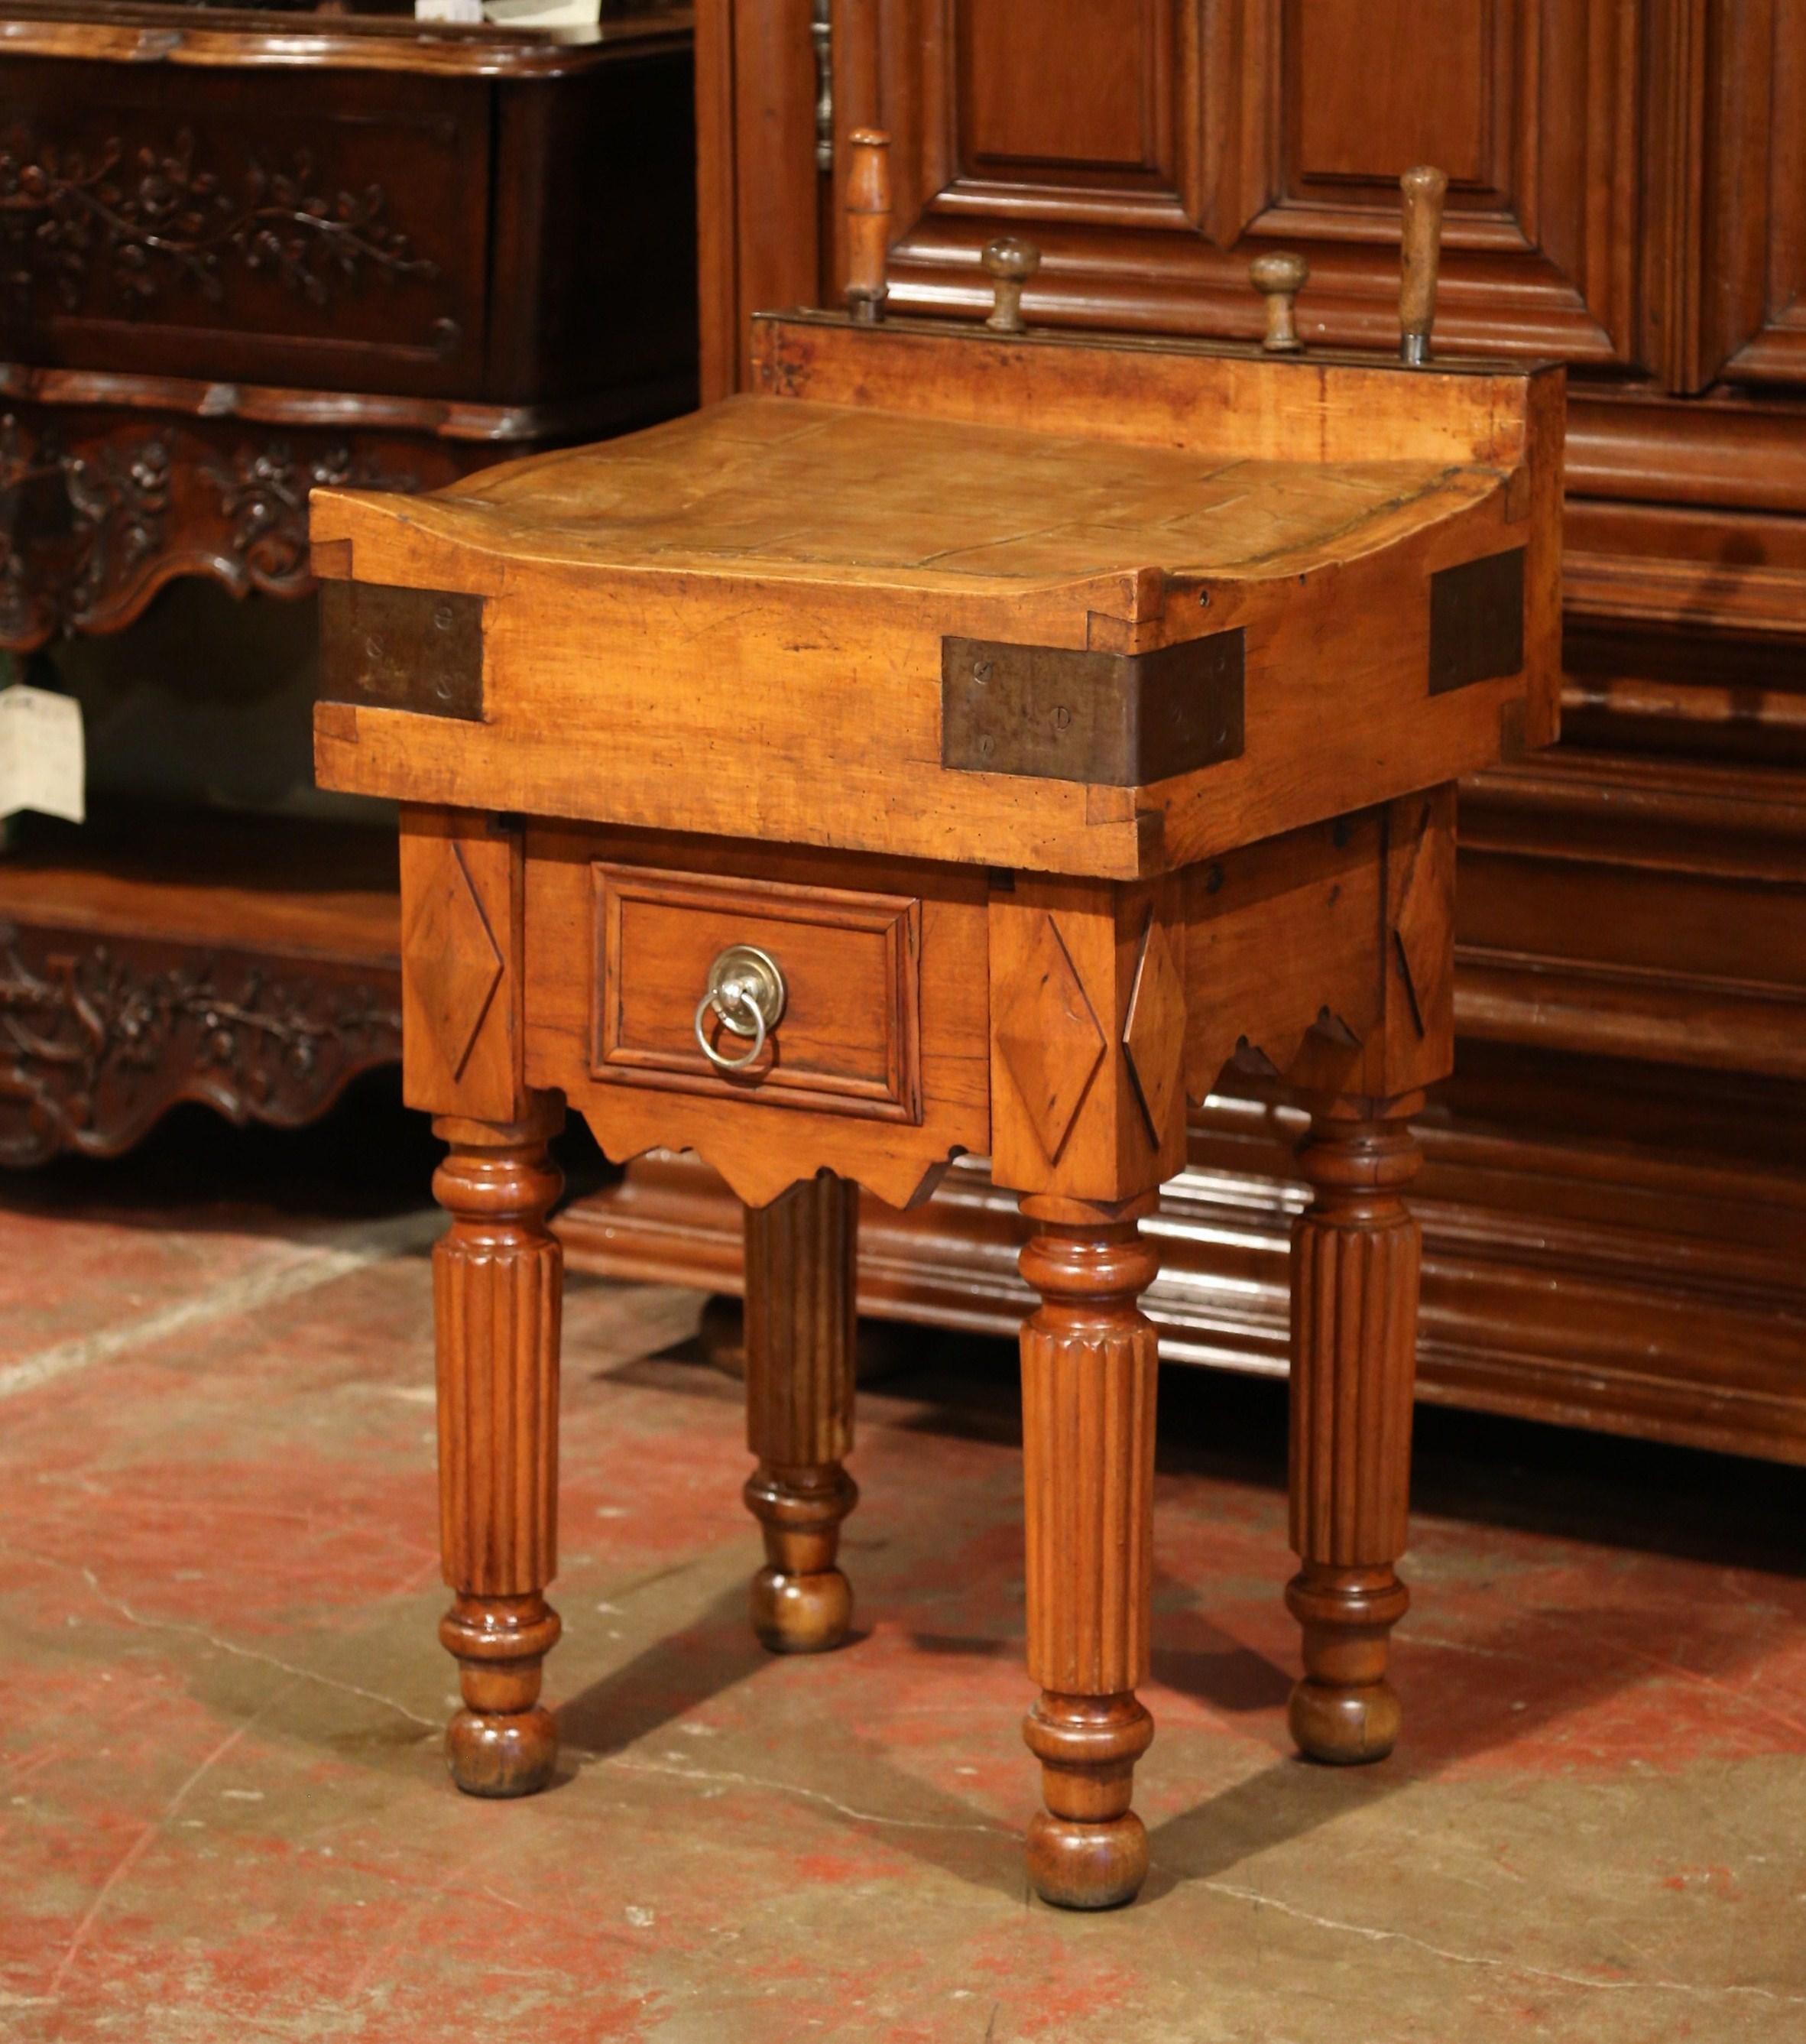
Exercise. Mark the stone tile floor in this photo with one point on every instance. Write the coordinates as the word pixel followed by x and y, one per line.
pixel 223 1813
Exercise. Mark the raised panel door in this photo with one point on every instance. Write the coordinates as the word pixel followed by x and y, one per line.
pixel 1153 147
pixel 1356 115
pixel 1068 89
pixel 1751 324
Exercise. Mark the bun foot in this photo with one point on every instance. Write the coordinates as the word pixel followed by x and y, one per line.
pixel 499 1756
pixel 1076 1866
pixel 1344 1711
pixel 801 1266
pixel 800 1613
pixel 1344 1726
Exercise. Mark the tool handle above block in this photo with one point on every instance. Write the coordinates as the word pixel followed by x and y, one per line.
pixel 868 223
pixel 1279 276
pixel 1421 191
pixel 1220 397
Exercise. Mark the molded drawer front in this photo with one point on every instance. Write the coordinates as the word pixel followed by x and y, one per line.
pixel 847 1038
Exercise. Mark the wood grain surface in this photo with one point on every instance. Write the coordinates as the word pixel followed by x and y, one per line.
pixel 817 557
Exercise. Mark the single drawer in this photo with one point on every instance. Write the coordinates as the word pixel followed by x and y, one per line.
pixel 846 1036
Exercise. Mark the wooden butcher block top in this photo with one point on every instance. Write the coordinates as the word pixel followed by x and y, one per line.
pixel 1074 607
pixel 769 491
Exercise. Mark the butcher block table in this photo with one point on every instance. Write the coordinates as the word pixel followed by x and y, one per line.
pixel 972 739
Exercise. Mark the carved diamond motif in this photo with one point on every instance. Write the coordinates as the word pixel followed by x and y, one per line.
pixel 450 965
pixel 1154 1030
pixel 1048 1035
pixel 1421 931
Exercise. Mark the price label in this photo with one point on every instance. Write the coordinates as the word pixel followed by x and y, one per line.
pixel 42 759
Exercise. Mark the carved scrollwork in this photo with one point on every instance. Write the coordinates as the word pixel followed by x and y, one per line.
pixel 97 511
pixel 136 224
pixel 97 1039
pixel 93 517
pixel 264 495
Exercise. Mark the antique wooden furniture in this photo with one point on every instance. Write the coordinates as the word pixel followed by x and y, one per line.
pixel 247 252
pixel 971 741
pixel 1613 1196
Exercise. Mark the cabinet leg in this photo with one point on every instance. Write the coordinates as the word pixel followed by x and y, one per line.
pixel 1088 1370
pixel 497 1279
pixel 801 1253
pixel 1355 1253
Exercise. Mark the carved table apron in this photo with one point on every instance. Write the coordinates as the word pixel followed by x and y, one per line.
pixel 968 742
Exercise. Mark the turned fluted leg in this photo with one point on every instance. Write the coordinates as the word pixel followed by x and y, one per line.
pixel 497 1277
pixel 1089 1369
pixel 1354 1267
pixel 800 1259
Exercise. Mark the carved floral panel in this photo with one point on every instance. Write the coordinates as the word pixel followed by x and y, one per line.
pixel 138 227
pixel 243 227
pixel 98 509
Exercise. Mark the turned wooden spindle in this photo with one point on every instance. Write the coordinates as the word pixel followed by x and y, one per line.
pixel 1420 255
pixel 1279 276
pixel 1089 1367
pixel 497 1281
pixel 1009 264
pixel 1355 1252
pixel 799 1334
pixel 868 223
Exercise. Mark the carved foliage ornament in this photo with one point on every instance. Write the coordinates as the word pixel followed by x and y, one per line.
pixel 264 497
pixel 135 225
pixel 73 526
pixel 97 1040
pixel 90 527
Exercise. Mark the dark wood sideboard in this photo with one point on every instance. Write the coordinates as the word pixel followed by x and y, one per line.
pixel 1615 1195
pixel 243 252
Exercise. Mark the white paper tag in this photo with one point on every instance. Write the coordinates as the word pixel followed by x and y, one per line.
pixel 42 759
pixel 448 10
pixel 543 13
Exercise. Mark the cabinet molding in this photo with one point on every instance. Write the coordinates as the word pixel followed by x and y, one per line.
pixel 1628 192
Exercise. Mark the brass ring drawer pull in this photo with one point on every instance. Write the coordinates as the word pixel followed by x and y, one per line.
pixel 746 995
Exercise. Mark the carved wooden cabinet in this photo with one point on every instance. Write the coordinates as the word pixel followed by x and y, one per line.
pixel 1615 1197
pixel 244 252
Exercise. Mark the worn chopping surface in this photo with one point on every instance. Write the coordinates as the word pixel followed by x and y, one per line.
pixel 795 490
pixel 223 1816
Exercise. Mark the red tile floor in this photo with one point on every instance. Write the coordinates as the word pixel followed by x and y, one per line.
pixel 223 1816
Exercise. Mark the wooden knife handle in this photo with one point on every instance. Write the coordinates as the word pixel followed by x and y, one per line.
pixel 1422 190
pixel 1279 276
pixel 868 222
pixel 1009 264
